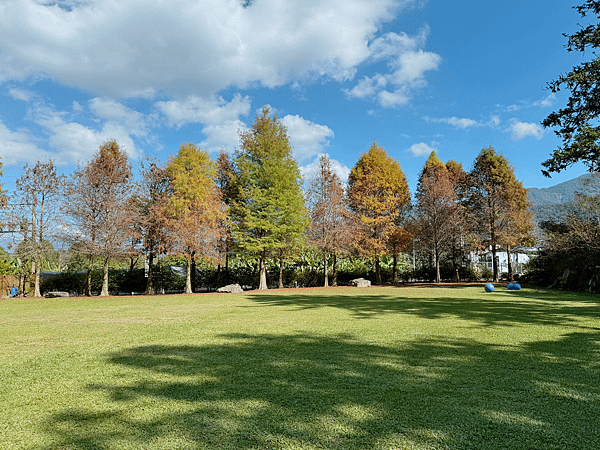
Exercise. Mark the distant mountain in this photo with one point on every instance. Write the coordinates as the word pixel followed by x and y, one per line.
pixel 588 184
pixel 555 202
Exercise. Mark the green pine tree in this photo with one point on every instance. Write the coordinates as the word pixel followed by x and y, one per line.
pixel 268 213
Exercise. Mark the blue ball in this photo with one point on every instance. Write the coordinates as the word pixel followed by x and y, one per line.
pixel 514 287
pixel 489 287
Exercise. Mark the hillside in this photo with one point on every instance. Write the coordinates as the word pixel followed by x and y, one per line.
pixel 555 202
pixel 588 184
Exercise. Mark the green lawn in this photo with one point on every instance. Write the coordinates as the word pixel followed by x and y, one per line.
pixel 346 368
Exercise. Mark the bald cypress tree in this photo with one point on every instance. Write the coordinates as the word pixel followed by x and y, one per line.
pixel 436 208
pixel 461 220
pixel 377 193
pixel 99 206
pixel 267 213
pixel 194 209
pixel 498 203
pixel 332 221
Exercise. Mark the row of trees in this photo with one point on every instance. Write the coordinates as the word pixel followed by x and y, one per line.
pixel 252 204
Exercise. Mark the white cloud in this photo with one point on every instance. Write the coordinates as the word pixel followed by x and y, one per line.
pixel 546 102
pixel 520 130
pixel 221 119
pixel 222 136
pixel 307 138
pixel 128 48
pixel 213 110
pixel 21 94
pixel 513 108
pixel 76 142
pixel 310 170
pixel 407 62
pixel 423 149
pixel 16 147
pixel 412 67
pixel 461 123
pixel 464 123
pixel 117 114
pixel 368 87
pixel 494 121
pixel 389 99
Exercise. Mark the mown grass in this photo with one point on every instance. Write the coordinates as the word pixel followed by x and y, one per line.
pixel 378 368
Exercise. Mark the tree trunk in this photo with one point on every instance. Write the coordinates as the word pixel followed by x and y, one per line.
pixel 22 279
pixel 88 286
pixel 227 264
pixel 132 262
pixel 188 277
pixel 281 272
pixel 262 284
pixel 149 284
pixel 161 284
pixel 335 270
pixel 455 264
pixel 193 273
pixel 325 268
pixel 395 268
pixel 510 268
pixel 436 255
pixel 36 291
pixel 377 270
pixel 495 263
pixel 104 292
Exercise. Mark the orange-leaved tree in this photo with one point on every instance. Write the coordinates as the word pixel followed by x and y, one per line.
pixel 150 204
pixel 378 193
pixel 436 209
pixel 194 210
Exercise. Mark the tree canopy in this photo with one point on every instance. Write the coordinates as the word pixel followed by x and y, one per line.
pixel 268 212
pixel 577 123
pixel 498 203
pixel 436 208
pixel 194 209
pixel 377 192
pixel 99 205
pixel 39 190
pixel 331 220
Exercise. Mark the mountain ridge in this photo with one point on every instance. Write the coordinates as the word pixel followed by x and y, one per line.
pixel 564 192
pixel 555 202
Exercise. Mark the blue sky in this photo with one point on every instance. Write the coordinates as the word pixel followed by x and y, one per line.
pixel 414 75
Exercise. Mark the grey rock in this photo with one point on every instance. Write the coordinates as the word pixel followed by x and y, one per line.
pixel 360 282
pixel 56 294
pixel 231 288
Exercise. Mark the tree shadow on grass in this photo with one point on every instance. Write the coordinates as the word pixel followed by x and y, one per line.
pixel 308 391
pixel 500 308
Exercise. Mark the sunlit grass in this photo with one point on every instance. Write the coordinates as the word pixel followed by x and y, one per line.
pixel 379 368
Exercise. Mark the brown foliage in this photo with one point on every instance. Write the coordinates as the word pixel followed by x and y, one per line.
pixel 437 209
pixel 99 206
pixel 333 224
pixel 378 194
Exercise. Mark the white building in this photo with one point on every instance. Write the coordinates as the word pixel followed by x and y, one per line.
pixel 519 258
